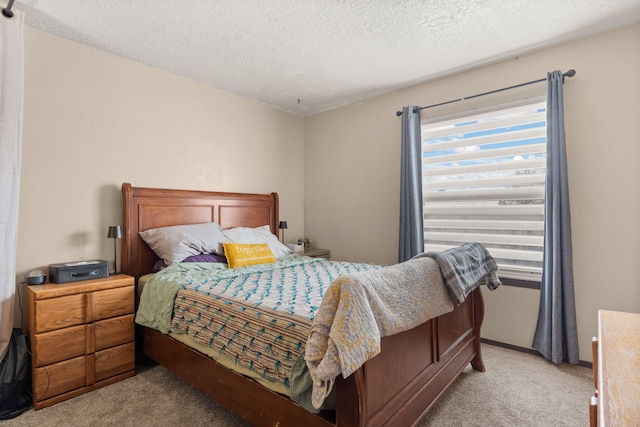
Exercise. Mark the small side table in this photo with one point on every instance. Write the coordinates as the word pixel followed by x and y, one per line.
pixel 317 253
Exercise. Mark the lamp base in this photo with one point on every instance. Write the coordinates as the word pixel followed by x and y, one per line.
pixel 115 259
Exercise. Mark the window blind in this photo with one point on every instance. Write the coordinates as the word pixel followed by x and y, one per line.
pixel 483 181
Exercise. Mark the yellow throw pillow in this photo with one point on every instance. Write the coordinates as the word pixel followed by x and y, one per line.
pixel 243 254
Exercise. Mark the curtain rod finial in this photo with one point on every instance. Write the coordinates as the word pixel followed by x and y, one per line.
pixel 7 11
pixel 398 113
pixel 570 73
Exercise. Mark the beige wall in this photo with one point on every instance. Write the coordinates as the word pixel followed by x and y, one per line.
pixel 93 120
pixel 352 158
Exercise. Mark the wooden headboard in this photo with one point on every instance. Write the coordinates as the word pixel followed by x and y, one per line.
pixel 146 208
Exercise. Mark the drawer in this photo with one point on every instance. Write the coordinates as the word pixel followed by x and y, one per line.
pixel 55 346
pixel 59 378
pixel 71 310
pixel 114 361
pixel 58 313
pixel 112 303
pixel 112 332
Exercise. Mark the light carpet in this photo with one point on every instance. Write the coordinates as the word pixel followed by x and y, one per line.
pixel 517 389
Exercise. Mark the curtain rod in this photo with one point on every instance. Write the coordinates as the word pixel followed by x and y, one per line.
pixel 7 10
pixel 569 73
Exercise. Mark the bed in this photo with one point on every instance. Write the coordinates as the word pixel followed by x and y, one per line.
pixel 396 387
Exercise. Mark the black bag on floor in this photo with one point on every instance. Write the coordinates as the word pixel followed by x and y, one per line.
pixel 15 377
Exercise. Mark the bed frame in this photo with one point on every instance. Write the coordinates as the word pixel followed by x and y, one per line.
pixel 397 387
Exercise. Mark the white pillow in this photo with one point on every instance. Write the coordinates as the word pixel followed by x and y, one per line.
pixel 261 234
pixel 174 244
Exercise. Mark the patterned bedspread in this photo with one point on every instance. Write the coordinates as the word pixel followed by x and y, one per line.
pixel 257 317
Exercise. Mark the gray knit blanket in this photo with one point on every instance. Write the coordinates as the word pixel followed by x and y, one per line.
pixel 465 268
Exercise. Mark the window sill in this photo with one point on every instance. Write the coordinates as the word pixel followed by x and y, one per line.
pixel 518 283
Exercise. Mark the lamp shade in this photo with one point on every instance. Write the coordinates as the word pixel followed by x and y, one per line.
pixel 283 225
pixel 115 232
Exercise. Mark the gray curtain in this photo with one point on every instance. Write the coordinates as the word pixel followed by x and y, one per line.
pixel 411 226
pixel 556 336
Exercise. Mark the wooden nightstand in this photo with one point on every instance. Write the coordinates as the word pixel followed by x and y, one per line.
pixel 82 336
pixel 317 253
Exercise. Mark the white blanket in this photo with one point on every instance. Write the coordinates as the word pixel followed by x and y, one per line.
pixel 359 309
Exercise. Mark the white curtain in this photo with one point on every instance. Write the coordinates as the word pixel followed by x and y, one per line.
pixel 11 95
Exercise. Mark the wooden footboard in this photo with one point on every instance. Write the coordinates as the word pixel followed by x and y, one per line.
pixel 397 387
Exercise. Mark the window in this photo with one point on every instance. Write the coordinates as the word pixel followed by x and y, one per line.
pixel 483 181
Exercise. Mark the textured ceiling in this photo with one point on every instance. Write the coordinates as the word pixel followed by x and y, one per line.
pixel 309 56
